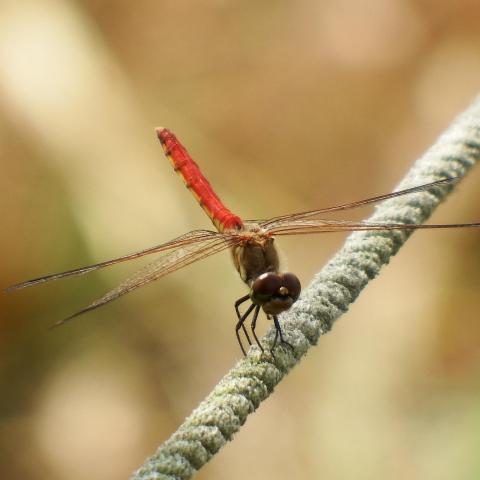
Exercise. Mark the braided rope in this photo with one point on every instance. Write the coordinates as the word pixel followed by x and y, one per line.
pixel 253 379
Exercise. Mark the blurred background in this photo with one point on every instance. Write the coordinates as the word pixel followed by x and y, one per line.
pixel 286 106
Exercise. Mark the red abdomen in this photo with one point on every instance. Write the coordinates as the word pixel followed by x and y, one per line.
pixel 194 180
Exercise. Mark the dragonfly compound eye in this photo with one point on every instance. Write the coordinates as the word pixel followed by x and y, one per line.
pixel 266 285
pixel 292 283
pixel 275 293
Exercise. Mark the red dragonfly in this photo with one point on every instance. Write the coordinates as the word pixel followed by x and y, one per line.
pixel 251 243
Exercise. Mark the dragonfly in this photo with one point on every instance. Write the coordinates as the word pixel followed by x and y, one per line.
pixel 251 242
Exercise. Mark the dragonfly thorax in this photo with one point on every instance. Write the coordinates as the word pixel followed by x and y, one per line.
pixel 255 256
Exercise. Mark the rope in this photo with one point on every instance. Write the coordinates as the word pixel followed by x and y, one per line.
pixel 252 380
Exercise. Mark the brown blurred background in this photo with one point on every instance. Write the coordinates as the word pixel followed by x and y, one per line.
pixel 286 106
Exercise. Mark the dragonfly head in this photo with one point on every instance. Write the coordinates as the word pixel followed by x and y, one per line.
pixel 275 292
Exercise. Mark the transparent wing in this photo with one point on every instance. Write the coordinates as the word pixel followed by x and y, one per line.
pixel 304 227
pixel 168 263
pixel 186 239
pixel 273 223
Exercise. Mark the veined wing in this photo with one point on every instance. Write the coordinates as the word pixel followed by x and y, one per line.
pixel 170 262
pixel 309 226
pixel 273 223
pixel 186 239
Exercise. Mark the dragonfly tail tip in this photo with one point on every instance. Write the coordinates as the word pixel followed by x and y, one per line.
pixel 159 130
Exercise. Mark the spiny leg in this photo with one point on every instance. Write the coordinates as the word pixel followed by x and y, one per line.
pixel 279 333
pixel 253 326
pixel 237 305
pixel 240 325
pixel 274 343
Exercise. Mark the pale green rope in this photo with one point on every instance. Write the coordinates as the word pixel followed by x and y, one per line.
pixel 329 295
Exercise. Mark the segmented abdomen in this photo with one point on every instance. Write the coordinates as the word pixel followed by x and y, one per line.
pixel 184 165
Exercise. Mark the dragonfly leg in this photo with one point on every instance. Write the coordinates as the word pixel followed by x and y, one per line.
pixel 253 326
pixel 278 333
pixel 240 325
pixel 237 304
pixel 274 344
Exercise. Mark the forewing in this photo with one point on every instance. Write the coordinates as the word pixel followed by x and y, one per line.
pixel 186 239
pixel 310 226
pixel 168 263
pixel 271 224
